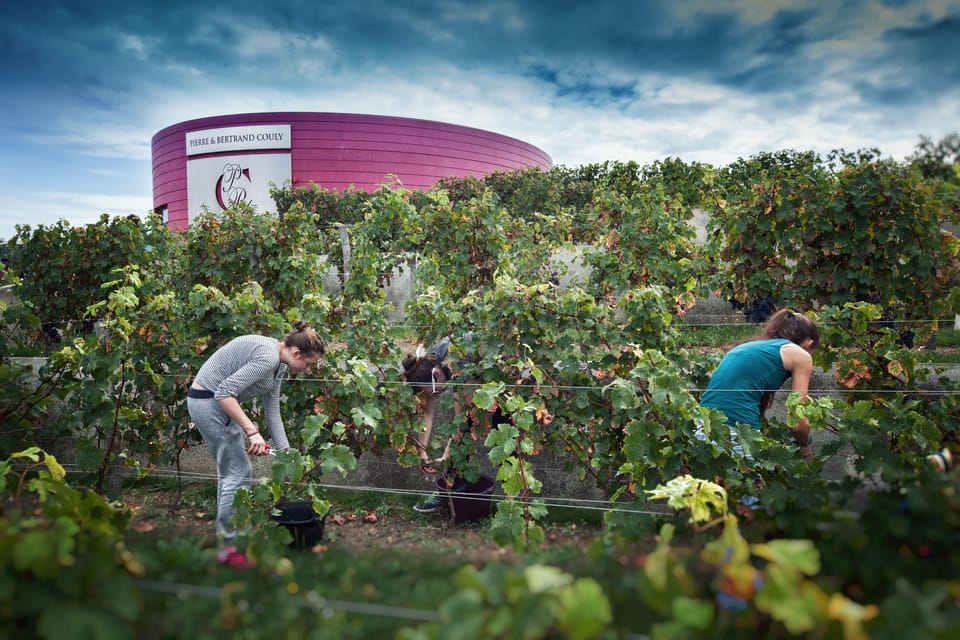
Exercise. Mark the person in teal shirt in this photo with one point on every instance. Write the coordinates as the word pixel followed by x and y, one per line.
pixel 743 384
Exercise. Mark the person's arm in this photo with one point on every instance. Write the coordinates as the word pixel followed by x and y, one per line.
pixel 800 365
pixel 231 406
pixel 423 438
pixel 260 367
pixel 271 412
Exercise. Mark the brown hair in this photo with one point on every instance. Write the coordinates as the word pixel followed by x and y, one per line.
pixel 791 326
pixel 304 338
pixel 418 370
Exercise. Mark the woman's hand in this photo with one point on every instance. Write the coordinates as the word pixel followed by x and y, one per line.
pixel 430 466
pixel 801 436
pixel 258 446
pixel 426 464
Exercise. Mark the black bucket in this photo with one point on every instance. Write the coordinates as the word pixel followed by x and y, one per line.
pixel 471 503
pixel 303 523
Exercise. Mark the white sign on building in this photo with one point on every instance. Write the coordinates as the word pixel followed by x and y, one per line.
pixel 221 181
pixel 252 138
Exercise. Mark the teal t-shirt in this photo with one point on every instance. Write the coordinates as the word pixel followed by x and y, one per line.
pixel 746 372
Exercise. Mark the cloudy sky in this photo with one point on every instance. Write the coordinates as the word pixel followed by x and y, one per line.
pixel 86 84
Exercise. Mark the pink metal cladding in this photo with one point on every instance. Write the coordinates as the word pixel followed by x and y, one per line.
pixel 337 150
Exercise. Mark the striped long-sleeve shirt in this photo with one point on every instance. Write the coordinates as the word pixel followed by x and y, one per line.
pixel 249 367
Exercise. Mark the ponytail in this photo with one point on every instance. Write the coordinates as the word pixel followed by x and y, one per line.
pixel 791 326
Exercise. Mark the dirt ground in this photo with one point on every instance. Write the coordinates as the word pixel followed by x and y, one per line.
pixel 165 513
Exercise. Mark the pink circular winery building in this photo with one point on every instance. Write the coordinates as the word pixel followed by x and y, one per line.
pixel 215 162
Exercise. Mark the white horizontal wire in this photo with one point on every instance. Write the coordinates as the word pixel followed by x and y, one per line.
pixel 453 383
pixel 326 605
pixel 682 323
pixel 550 501
pixel 321 604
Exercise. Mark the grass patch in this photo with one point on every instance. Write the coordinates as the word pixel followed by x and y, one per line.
pixel 363 500
pixel 944 348
pixel 940 357
pixel 692 335
pixel 947 339
pixel 559 515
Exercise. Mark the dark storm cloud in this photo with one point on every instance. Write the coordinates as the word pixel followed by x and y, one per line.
pixel 915 66
pixel 605 54
pixel 931 49
pixel 87 84
pixel 74 42
pixel 575 47
pixel 70 48
pixel 777 56
pixel 621 39
pixel 588 52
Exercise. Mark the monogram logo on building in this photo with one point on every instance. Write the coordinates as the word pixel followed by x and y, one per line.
pixel 231 189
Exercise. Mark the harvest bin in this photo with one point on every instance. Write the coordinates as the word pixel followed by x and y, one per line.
pixel 472 503
pixel 303 523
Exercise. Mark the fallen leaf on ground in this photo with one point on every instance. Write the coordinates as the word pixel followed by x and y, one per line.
pixel 143 527
pixel 371 516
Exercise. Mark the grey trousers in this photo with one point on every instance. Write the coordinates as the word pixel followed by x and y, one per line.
pixel 224 439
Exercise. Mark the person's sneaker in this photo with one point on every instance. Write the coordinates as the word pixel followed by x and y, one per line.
pixel 429 505
pixel 234 559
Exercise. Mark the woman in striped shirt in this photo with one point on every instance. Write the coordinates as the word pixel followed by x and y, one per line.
pixel 247 367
